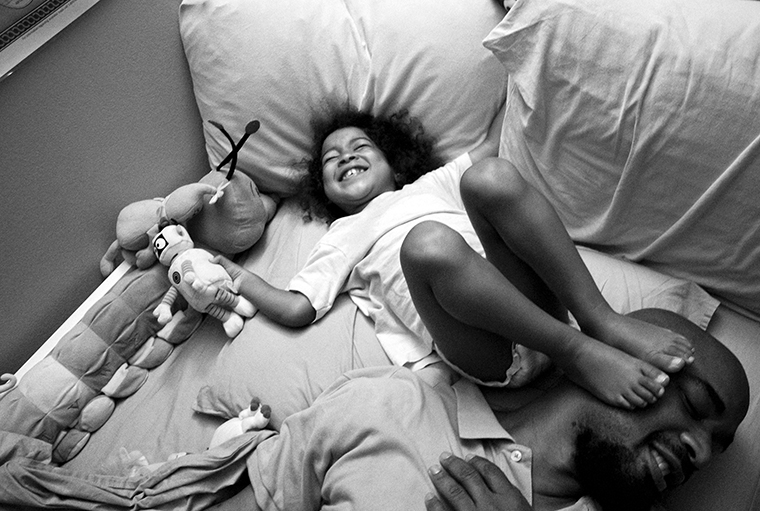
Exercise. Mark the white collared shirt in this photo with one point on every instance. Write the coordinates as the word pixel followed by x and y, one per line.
pixel 367 443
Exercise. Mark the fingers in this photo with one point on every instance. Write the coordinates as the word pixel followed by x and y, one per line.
pixel 493 477
pixel 472 485
pixel 505 496
pixel 234 270
pixel 432 503
pixel 224 262
pixel 453 479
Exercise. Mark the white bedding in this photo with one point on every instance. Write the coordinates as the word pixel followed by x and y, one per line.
pixel 694 170
pixel 639 120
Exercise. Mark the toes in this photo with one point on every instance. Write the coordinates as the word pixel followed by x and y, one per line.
pixel 649 391
pixel 652 385
pixel 633 400
pixel 655 376
pixel 622 402
pixel 652 389
pixel 680 347
pixel 675 364
pixel 667 362
pixel 683 350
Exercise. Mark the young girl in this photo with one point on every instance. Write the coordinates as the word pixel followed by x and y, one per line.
pixel 467 262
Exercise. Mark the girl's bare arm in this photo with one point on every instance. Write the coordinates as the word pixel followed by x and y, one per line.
pixel 288 308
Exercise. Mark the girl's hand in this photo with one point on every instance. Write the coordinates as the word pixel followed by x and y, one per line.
pixel 288 308
pixel 235 271
pixel 472 485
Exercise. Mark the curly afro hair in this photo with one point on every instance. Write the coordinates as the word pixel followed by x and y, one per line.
pixel 401 138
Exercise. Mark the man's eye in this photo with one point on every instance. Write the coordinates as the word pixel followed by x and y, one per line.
pixel 687 404
pixel 697 400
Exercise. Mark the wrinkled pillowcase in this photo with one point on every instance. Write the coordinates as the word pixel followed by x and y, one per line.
pixel 279 61
pixel 638 119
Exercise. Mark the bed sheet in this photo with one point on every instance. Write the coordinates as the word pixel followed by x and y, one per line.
pixel 158 420
pixel 732 479
pixel 212 374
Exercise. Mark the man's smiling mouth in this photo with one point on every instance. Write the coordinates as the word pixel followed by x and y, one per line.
pixel 663 464
pixel 659 469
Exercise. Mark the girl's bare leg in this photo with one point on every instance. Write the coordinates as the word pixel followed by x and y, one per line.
pixel 474 313
pixel 516 223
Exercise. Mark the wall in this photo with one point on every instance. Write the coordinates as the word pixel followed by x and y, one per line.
pixel 100 116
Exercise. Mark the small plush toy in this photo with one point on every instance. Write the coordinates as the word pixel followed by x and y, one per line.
pixel 255 417
pixel 223 212
pixel 136 464
pixel 203 283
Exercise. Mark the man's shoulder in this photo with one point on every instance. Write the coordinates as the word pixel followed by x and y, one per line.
pixel 369 375
pixel 384 395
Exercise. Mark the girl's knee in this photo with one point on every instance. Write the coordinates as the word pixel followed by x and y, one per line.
pixel 491 179
pixel 428 244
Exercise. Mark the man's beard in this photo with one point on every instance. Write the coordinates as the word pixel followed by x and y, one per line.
pixel 609 473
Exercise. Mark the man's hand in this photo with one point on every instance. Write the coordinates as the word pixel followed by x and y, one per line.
pixel 472 485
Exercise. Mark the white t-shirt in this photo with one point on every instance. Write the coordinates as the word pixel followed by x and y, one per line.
pixel 359 255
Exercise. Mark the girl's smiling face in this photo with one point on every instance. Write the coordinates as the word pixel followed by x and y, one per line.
pixel 354 170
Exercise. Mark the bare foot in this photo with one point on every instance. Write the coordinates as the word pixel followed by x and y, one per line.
pixel 659 346
pixel 613 376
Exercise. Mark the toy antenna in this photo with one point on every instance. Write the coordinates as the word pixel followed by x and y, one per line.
pixel 250 128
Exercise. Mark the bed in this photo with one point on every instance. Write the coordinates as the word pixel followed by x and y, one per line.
pixel 649 108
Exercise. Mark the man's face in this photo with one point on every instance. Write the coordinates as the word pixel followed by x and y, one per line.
pixel 626 459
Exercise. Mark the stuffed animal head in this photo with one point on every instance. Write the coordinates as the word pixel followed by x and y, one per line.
pixel 223 211
pixel 236 220
pixel 170 242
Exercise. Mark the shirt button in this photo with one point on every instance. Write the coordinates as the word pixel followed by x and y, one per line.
pixel 515 456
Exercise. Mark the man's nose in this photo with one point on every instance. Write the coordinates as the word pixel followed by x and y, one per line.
pixel 699 447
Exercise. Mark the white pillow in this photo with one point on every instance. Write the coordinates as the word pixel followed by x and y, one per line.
pixel 278 60
pixel 639 120
pixel 428 57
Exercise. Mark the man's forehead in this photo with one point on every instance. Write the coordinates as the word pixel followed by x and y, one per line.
pixel 714 364
pixel 719 369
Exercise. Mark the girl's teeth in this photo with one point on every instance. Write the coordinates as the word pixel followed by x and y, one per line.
pixel 351 173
